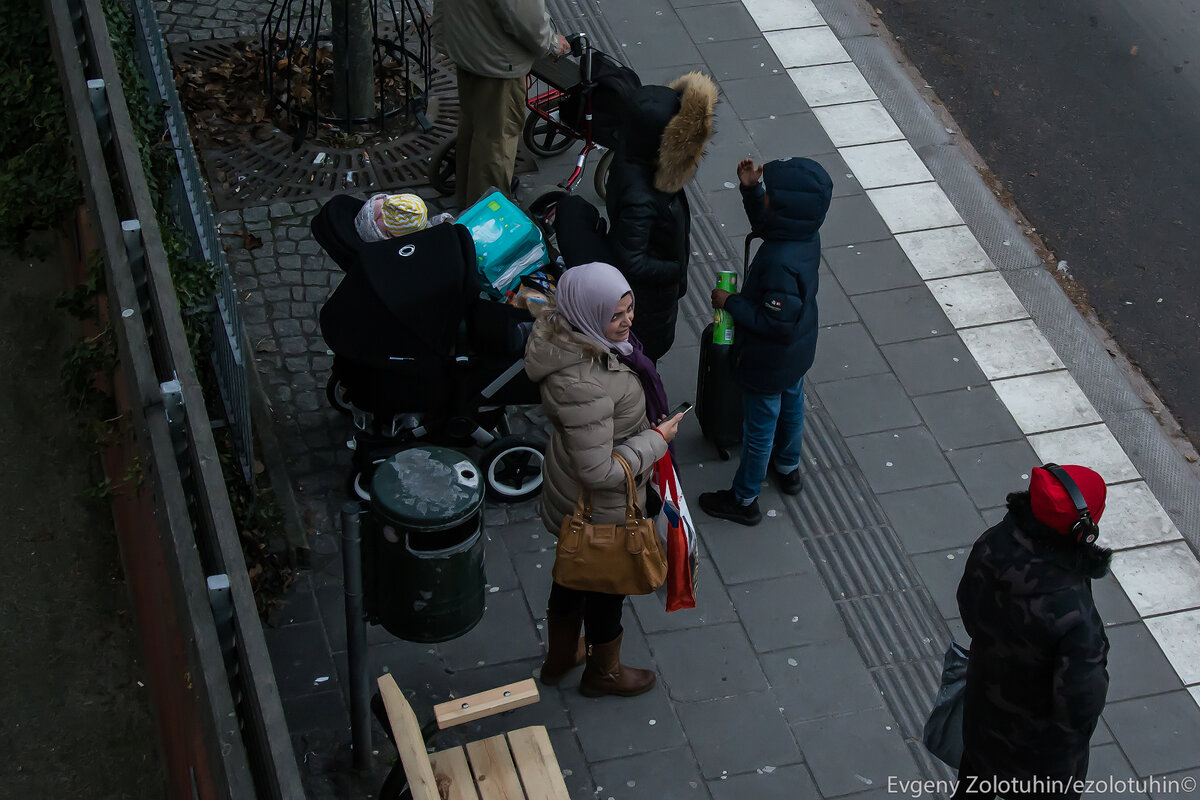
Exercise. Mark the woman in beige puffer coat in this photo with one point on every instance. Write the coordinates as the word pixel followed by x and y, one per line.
pixel 595 402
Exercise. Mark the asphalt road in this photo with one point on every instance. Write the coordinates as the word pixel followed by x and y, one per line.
pixel 1090 113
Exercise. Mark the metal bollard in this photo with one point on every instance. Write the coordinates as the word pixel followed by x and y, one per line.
pixel 98 95
pixel 356 637
pixel 135 251
pixel 221 601
pixel 172 394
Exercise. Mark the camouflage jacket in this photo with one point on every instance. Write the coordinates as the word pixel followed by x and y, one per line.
pixel 1037 676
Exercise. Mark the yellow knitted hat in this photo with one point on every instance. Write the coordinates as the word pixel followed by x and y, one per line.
pixel 403 213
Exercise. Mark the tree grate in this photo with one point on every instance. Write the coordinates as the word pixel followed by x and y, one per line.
pixel 272 169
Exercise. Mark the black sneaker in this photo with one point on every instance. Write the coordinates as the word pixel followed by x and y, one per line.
pixel 791 483
pixel 724 505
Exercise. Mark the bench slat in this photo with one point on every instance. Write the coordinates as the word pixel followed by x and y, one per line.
pixel 452 774
pixel 537 764
pixel 409 742
pixel 495 774
pixel 484 704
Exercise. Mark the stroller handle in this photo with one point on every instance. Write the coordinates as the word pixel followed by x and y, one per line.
pixel 578 43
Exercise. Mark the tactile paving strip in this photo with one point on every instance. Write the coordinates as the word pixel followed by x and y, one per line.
pixel 893 627
pixel 910 708
pixel 861 562
pixel 835 501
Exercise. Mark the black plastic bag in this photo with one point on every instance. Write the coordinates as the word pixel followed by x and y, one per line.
pixel 943 734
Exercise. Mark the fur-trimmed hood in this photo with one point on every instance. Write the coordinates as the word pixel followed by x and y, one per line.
pixel 670 126
pixel 554 345
pixel 688 133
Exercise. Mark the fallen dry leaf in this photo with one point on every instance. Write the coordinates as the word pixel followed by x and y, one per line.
pixel 228 103
pixel 249 240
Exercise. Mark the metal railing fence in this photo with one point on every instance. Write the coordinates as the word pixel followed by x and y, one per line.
pixel 193 214
pixel 237 744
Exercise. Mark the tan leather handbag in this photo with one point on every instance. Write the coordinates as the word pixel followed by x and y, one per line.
pixel 621 558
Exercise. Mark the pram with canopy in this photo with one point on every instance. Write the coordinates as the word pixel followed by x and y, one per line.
pixel 419 355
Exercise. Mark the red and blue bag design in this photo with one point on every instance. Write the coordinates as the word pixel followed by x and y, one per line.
pixel 676 529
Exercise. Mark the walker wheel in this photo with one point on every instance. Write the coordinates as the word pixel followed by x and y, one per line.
pixel 545 138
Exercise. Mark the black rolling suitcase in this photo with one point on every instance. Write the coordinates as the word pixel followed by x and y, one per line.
pixel 718 397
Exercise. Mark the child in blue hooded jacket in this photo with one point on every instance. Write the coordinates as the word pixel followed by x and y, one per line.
pixel 775 324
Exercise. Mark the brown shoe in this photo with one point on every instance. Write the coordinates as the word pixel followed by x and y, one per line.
pixel 565 647
pixel 605 674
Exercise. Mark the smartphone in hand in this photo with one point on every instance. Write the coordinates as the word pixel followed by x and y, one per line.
pixel 682 408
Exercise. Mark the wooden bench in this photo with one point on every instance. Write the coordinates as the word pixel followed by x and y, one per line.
pixel 518 764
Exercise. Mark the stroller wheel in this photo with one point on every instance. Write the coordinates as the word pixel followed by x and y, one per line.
pixel 600 177
pixel 545 138
pixel 512 467
pixel 358 486
pixel 442 167
pixel 336 394
pixel 543 208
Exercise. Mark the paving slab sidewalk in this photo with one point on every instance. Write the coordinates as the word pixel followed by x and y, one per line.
pixel 808 666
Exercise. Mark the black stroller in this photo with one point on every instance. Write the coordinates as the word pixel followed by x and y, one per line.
pixel 418 355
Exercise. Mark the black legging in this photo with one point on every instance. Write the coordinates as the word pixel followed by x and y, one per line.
pixel 601 612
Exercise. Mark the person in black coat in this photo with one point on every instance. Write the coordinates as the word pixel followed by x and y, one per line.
pixel 775 327
pixel 1037 674
pixel 666 130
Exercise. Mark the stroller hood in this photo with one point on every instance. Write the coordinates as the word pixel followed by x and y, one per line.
pixel 403 297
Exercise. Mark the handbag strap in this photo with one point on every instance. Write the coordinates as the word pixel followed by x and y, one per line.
pixel 583 506
pixel 633 512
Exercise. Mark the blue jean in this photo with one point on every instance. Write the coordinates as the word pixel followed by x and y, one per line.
pixel 770 422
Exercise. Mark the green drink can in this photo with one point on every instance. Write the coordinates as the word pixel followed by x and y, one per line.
pixel 722 322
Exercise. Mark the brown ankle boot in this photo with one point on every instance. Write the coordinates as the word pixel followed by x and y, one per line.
pixel 565 647
pixel 605 674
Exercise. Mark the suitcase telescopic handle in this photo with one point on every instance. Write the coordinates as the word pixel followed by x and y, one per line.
pixel 750 237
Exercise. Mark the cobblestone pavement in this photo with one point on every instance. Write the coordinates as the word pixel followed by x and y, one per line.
pixel 187 21
pixel 809 664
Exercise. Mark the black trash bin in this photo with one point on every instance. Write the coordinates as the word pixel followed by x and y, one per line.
pixel 423 545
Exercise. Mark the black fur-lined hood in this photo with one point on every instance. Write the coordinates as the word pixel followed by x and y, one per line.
pixel 670 127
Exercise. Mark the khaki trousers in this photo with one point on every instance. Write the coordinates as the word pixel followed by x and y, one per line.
pixel 491 113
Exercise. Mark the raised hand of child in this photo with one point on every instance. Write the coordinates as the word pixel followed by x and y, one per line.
pixel 748 172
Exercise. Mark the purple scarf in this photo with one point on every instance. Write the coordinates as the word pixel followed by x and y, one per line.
pixel 652 385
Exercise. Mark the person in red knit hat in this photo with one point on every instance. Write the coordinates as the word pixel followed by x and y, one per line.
pixel 1037 674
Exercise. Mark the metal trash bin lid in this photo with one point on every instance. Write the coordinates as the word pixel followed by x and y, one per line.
pixel 427 488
